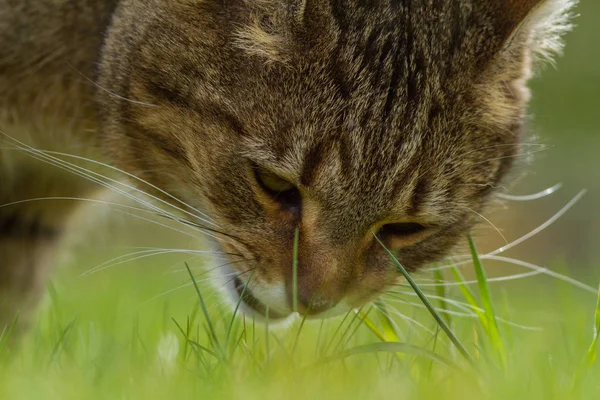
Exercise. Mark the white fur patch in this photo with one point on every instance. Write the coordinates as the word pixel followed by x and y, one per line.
pixel 548 24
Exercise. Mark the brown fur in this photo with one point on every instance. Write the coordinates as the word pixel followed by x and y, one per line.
pixel 379 112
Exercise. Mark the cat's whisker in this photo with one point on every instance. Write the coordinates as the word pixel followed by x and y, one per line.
pixel 545 271
pixel 461 305
pixel 494 279
pixel 489 222
pixel 112 94
pixel 76 170
pixel 196 213
pixel 519 155
pixel 531 197
pixel 145 254
pixel 500 145
pixel 521 239
pixel 540 228
pixel 207 271
pixel 200 230
pixel 235 276
pixel 188 284
pixel 98 178
pixel 111 204
pixel 462 314
pixel 410 321
pixel 94 176
pixel 536 270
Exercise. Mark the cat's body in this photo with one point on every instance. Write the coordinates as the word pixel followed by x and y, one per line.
pixel 339 118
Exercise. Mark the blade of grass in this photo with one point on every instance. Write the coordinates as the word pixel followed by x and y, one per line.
pixel 6 334
pixel 195 344
pixel 440 291
pixel 235 311
pixel 488 306
pixel 62 340
pixel 392 347
pixel 591 354
pixel 267 345
pixel 299 331
pixel 372 327
pixel 211 327
pixel 428 304
pixel 295 271
pixel 469 297
pixel 390 329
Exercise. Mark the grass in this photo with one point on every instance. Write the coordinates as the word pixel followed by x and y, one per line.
pixel 99 337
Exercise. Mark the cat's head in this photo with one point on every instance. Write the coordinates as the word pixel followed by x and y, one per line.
pixel 340 119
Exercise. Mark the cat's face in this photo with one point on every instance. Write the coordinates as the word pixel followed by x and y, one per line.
pixel 339 120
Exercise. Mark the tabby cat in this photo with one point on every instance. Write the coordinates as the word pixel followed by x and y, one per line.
pixel 342 120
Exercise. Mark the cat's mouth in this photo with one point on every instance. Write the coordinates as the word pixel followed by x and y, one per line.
pixel 253 303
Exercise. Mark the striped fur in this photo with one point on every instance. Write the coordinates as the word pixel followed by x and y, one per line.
pixel 379 112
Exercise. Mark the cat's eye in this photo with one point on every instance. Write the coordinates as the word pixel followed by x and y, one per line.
pixel 401 230
pixel 272 183
pixel 280 190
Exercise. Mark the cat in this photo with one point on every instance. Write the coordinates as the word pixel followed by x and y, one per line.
pixel 337 123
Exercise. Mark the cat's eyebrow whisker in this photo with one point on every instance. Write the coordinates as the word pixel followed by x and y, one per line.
pixel 489 222
pixel 495 146
pixel 526 154
pixel 531 197
pixel 112 94
pixel 94 176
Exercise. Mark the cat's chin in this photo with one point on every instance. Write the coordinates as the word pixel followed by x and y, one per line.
pixel 254 307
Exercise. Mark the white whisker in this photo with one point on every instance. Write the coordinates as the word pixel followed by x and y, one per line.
pixel 540 228
pixel 112 94
pixel 536 270
pixel 144 254
pixel 77 170
pixel 545 271
pixel 95 178
pixel 489 222
pixel 465 314
pixel 531 197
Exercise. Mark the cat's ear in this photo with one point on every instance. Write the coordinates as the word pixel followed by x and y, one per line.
pixel 539 25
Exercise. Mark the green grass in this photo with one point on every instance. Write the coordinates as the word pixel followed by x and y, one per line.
pixel 98 336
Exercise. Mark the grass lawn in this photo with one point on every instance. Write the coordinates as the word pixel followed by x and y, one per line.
pixel 138 330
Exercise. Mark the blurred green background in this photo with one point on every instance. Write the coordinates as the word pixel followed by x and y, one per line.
pixel 565 116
